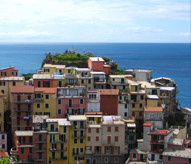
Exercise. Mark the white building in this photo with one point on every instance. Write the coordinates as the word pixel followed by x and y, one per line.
pixel 93 101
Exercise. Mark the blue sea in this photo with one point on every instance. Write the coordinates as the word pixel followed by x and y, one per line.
pixel 165 59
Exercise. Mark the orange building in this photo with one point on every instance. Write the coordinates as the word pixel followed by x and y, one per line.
pixel 96 63
pixel 8 72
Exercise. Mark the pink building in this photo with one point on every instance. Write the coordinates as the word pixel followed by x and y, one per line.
pixel 71 100
pixel 3 141
pixel 96 63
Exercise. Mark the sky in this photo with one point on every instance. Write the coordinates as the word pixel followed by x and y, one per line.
pixel 95 21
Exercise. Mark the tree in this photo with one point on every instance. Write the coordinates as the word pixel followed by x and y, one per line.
pixel 106 59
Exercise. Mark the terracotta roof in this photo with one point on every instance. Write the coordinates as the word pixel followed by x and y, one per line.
pixel 153 109
pixel 147 124
pixel 3 154
pixel 22 89
pixel 93 113
pixel 46 90
pixel 109 91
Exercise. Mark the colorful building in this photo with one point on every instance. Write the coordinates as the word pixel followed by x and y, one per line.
pixel 21 107
pixel 43 80
pixel 45 101
pixel 93 101
pixel 71 100
pixel 8 72
pixel 51 69
pixel 2 108
pixel 96 63
pixel 109 101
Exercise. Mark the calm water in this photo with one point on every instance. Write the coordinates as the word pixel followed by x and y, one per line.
pixel 169 60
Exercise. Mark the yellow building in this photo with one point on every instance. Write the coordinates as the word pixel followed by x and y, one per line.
pixel 77 139
pixel 137 100
pixel 71 70
pixel 1 112
pixel 45 102
pixel 5 84
pixel 50 68
pixel 59 81
pixel 58 141
pixel 84 77
pixel 152 100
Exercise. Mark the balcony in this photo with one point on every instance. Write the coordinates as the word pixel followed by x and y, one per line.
pixel 40 141
pixel 58 149
pixel 78 136
pixel 38 100
pixel 23 101
pixel 22 110
pixel 53 130
pixel 76 127
pixel 40 150
pixel 40 160
pixel 78 154
pixel 73 106
pixel 56 159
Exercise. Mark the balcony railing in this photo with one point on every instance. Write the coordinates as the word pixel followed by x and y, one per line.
pixel 78 136
pixel 40 141
pixel 36 100
pixel 73 106
pixel 40 160
pixel 62 158
pixel 78 153
pixel 40 150
pixel 23 110
pixel 23 101
pixel 58 149
pixel 108 143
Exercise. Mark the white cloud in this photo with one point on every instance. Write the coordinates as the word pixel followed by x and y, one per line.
pixel 187 34
pixel 143 29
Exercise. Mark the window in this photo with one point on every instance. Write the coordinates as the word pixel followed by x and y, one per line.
pixel 53 155
pixel 169 158
pixel 120 97
pixel 75 141
pixel 59 101
pixel 89 81
pixel 142 97
pixel 151 115
pixel 60 84
pixel 81 101
pixel 69 71
pixel 116 138
pixel 116 129
pixel 82 81
pixel 3 73
pixel 109 129
pixel 140 114
pixel 64 129
pixel 106 160
pixel 62 155
pixel 140 105
pixel 2 83
pixel 38 105
pixel 116 160
pixel 89 130
pixel 59 111
pixel 24 140
pixel 46 105
pixel 3 146
pixel 81 150
pixel 189 160
pixel 131 137
pixel 30 150
pixel 39 84
pixel 97 130
pixel 133 113
pixel 89 138
pixel 22 150
pixel 81 141
pixel 134 155
pixel 133 105
pixel 13 83
pixel 113 79
pixel 46 70
pixel 30 139
pixel 2 91
pixel 108 139
pixel 20 140
pixel 3 136
pixel 47 96
pixel 47 113
pixel 160 157
pixel 97 138
pixel 125 114
pixel 125 105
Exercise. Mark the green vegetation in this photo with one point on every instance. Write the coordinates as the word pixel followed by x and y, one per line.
pixel 68 58
pixel 27 76
pixel 6 160
pixel 106 59
pixel 176 119
pixel 120 72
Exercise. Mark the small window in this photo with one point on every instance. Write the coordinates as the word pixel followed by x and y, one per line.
pixel 109 129
pixel 189 160
pixel 106 160
pixel 2 91
pixel 140 105
pixel 89 81
pixel 89 138
pixel 133 105
pixel 81 150
pixel 133 113
pixel 116 160
pixel 47 96
pixel 24 140
pixel 97 138
pixel 75 141
pixel 3 146
pixel 82 81
pixel 30 150
pixel 59 101
pixel 142 97
pixel 38 105
pixel 22 150
pixel 89 130
pixel 116 129
pixel 81 101
pixel 125 114
pixel 140 114
pixel 131 137
pixel 116 138
pixel 46 105
pixel 13 83
pixel 81 141
pixel 169 158
pixel 64 129
pixel 59 111
pixel 126 106
pixel 97 130
pixel 3 136
pixel 134 155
